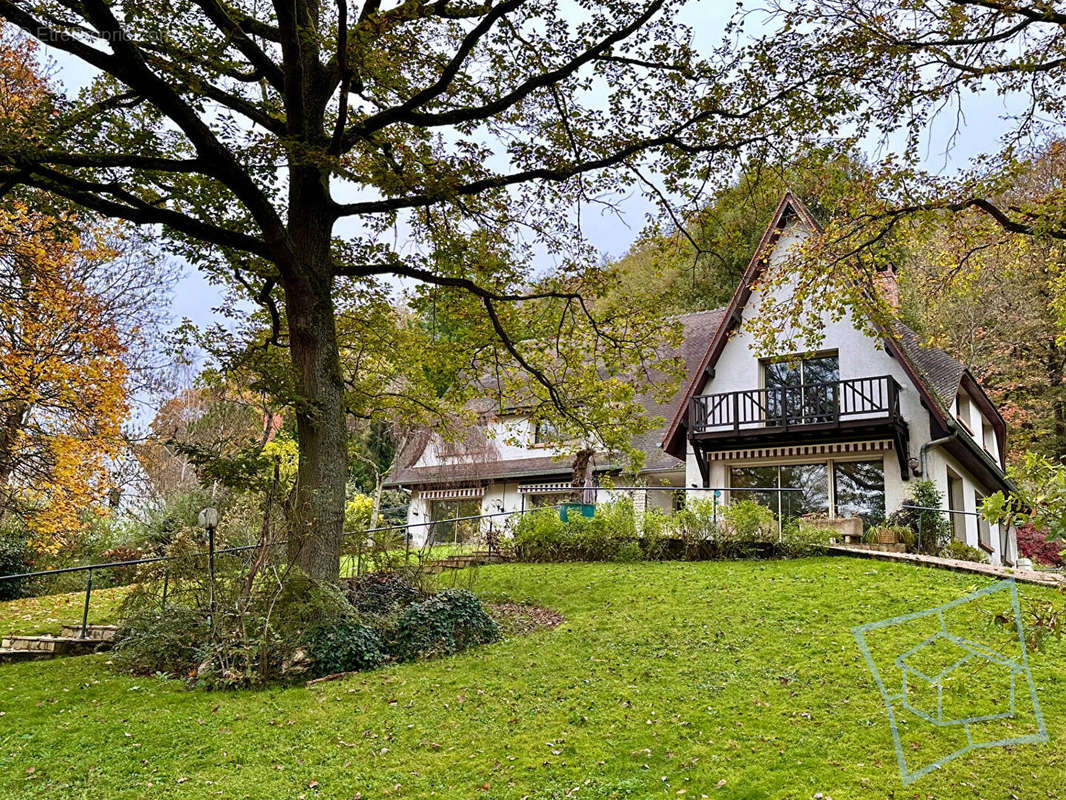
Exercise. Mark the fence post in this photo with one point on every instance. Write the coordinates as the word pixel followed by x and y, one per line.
pixel 85 610
pixel 166 583
pixel 211 576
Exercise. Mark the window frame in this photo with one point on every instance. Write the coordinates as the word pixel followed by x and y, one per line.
pixel 830 465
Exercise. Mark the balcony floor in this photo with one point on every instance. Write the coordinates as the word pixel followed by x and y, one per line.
pixel 842 431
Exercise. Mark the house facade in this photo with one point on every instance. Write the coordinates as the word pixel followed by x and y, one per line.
pixel 841 432
pixel 508 463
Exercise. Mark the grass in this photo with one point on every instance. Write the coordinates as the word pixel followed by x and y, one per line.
pixel 732 680
pixel 48 614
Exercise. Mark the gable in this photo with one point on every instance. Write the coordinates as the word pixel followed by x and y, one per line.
pixel 934 375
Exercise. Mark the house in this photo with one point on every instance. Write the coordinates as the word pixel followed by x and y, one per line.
pixel 507 463
pixel 842 432
pixel 846 429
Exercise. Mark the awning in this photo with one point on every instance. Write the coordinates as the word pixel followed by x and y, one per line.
pixel 803 450
pixel 545 488
pixel 465 493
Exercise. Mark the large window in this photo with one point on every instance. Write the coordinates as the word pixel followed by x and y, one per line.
pixel 807 485
pixel 859 490
pixel 801 391
pixel 984 531
pixel 446 528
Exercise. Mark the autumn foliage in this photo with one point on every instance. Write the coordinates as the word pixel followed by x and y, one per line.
pixel 63 381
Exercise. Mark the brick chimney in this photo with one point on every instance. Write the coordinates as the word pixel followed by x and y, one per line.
pixel 888 286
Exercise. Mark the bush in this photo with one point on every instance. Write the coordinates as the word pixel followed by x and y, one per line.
pixel 748 521
pixel 804 538
pixel 343 646
pixel 153 641
pixel 15 557
pixel 628 552
pixel 657 528
pixel 1034 544
pixel 543 536
pixel 963 552
pixel 381 592
pixel 698 521
pixel 447 623
pixel 931 529
pixel 540 535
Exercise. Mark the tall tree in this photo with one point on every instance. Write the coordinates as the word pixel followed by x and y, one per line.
pixel 995 300
pixel 699 260
pixel 289 146
pixel 63 377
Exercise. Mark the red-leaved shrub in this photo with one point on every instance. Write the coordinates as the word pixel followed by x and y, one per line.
pixel 1033 543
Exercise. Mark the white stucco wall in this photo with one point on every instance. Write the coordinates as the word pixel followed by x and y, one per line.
pixel 739 368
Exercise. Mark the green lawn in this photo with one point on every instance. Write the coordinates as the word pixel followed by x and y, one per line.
pixel 732 680
pixel 48 614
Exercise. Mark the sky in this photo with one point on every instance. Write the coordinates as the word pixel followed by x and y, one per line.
pixel 612 234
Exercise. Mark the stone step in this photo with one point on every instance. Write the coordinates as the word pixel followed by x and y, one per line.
pixel 53 645
pixel 15 656
pixel 98 633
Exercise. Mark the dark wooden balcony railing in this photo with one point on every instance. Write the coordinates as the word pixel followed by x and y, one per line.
pixel 785 407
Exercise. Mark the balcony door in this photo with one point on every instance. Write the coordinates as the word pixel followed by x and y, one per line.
pixel 801 391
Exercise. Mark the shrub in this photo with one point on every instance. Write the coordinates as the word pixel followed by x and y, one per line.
pixel 448 622
pixel 657 527
pixel 963 552
pixel 805 538
pixel 15 557
pixel 748 521
pixel 698 520
pixel 381 592
pixel 1034 544
pixel 629 552
pixel 931 529
pixel 540 535
pixel 343 646
pixel 543 536
pixel 120 576
pixel 153 641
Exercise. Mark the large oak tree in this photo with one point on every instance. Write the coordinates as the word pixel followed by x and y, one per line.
pixel 305 148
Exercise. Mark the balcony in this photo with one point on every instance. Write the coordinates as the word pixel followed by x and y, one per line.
pixel 834 411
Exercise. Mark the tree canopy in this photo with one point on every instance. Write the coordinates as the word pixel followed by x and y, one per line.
pixel 307 150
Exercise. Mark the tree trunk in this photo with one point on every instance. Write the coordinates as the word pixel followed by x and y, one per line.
pixel 317 526
pixel 581 471
pixel 11 423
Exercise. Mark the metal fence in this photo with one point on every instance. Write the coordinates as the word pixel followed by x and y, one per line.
pixel 488 530
pixel 983 528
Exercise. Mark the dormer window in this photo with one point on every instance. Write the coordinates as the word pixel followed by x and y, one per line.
pixel 545 432
pixel 962 411
pixel 988 435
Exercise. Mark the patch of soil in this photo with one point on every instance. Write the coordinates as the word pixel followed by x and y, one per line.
pixel 518 619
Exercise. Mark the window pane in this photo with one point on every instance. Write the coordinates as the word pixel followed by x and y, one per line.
pixel 783 373
pixel 984 532
pixel 755 478
pixel 825 369
pixel 454 531
pixel 860 490
pixel 813 482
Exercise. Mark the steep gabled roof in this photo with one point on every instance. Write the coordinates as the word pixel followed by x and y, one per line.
pixel 790 208
pixel 935 374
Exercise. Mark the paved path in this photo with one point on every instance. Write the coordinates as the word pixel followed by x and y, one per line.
pixel 954 564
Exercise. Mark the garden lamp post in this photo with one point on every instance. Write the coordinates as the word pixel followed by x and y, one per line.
pixel 209 521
